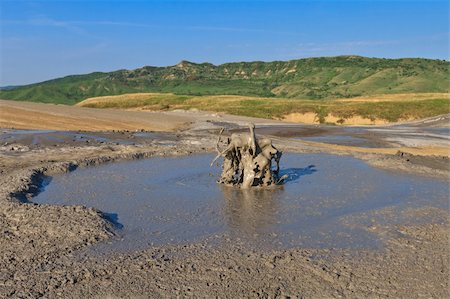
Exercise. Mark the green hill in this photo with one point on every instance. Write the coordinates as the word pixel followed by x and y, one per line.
pixel 310 78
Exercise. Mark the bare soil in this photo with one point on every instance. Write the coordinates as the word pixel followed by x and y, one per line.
pixel 42 246
pixel 26 115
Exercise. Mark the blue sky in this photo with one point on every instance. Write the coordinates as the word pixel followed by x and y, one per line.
pixel 42 40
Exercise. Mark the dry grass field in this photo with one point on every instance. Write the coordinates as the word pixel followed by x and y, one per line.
pixel 380 109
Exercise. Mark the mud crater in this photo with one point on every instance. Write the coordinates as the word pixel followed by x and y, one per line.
pixel 176 200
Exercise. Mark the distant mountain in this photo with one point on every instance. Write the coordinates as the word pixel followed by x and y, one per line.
pixel 310 78
pixel 9 87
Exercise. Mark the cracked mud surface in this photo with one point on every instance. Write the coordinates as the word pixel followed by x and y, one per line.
pixel 43 247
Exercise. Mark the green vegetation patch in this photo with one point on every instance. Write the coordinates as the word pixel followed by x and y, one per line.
pixel 310 78
pixel 277 108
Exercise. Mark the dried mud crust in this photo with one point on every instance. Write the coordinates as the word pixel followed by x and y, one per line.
pixel 405 269
pixel 39 245
pixel 435 162
pixel 34 234
pixel 434 166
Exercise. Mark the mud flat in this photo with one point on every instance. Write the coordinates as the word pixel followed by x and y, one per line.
pixel 401 208
pixel 176 200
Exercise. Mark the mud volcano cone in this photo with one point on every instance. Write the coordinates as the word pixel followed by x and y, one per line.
pixel 248 160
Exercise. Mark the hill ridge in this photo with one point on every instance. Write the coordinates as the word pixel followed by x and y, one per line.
pixel 309 78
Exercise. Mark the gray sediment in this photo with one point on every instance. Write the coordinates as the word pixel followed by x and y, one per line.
pixel 39 243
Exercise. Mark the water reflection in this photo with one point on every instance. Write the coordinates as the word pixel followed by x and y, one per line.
pixel 113 218
pixel 295 173
pixel 251 212
pixel 171 200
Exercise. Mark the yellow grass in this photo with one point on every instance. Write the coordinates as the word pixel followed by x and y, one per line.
pixel 380 109
pixel 397 97
pixel 116 98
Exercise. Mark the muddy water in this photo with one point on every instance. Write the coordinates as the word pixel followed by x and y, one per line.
pixel 343 140
pixel 369 137
pixel 172 200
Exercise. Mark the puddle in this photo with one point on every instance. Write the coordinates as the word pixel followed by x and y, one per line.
pixel 444 131
pixel 343 140
pixel 12 134
pixel 36 138
pixel 351 136
pixel 20 132
pixel 176 200
pixel 153 135
pixel 289 131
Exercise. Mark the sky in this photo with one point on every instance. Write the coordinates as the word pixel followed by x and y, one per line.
pixel 41 40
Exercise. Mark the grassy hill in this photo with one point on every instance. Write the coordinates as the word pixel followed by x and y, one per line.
pixel 311 78
pixel 359 110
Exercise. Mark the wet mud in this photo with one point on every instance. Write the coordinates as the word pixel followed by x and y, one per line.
pixel 177 200
pixel 366 137
pixel 32 139
pixel 348 223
